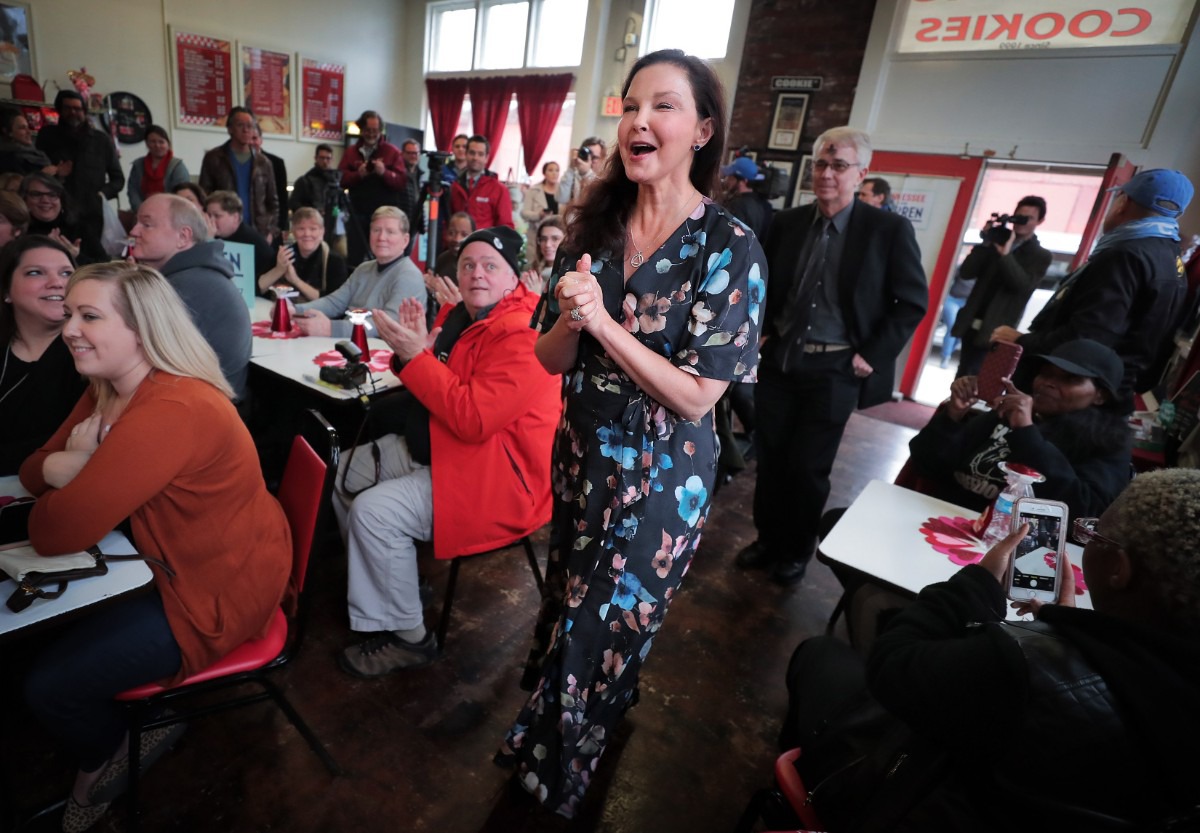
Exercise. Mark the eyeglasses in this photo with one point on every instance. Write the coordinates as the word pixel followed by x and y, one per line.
pixel 41 195
pixel 1084 531
pixel 839 166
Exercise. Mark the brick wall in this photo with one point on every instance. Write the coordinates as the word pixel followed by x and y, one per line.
pixel 799 37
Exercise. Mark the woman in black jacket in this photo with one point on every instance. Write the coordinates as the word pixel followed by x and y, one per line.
pixel 1070 428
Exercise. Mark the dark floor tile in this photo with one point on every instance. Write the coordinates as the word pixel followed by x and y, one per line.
pixel 417 746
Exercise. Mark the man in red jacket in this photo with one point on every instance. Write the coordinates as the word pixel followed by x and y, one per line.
pixel 479 192
pixel 472 469
pixel 374 174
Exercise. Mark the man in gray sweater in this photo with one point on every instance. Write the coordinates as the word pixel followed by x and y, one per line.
pixel 171 236
pixel 376 284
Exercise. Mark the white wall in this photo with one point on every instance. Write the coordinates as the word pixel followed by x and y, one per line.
pixel 123 43
pixel 1053 105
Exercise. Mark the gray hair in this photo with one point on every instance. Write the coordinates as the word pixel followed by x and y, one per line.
pixel 1157 521
pixel 860 139
pixel 185 215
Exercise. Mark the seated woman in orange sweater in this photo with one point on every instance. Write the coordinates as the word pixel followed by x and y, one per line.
pixel 157 440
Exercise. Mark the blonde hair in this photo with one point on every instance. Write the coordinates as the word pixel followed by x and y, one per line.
pixel 390 212
pixel 152 310
pixel 1157 521
pixel 307 213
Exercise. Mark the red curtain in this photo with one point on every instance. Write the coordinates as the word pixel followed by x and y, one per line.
pixel 490 98
pixel 445 108
pixel 539 103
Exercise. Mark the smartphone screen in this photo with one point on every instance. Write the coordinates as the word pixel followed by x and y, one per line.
pixel 1035 562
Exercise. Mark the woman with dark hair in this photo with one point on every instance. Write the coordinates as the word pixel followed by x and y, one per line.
pixel 17 153
pixel 1071 428
pixel 658 316
pixel 539 203
pixel 14 217
pixel 191 192
pixel 52 214
pixel 38 382
pixel 550 233
pixel 158 172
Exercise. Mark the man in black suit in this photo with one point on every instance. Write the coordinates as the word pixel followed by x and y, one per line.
pixel 846 292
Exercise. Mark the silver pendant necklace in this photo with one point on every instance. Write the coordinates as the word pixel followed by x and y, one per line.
pixel 637 259
pixel 4 374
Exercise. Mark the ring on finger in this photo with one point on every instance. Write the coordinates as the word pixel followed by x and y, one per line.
pixel 576 314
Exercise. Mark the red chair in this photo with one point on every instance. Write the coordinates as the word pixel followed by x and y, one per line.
pixel 452 583
pixel 303 492
pixel 789 790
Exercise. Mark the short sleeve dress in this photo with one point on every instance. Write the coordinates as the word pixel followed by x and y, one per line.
pixel 632 483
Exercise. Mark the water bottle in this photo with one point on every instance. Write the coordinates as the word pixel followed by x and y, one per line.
pixel 996 522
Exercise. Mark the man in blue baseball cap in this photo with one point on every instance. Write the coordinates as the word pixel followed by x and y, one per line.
pixel 1129 294
pixel 741 198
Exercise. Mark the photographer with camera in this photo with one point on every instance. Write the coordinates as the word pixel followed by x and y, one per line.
pixel 374 173
pixel 1006 266
pixel 321 188
pixel 586 166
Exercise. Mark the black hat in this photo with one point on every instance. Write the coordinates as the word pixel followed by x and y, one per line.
pixel 1085 357
pixel 501 238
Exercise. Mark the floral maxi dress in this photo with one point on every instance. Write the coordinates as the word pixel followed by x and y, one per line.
pixel 632 483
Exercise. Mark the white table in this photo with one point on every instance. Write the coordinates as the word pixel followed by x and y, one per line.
pixel 880 538
pixel 292 358
pixel 122 577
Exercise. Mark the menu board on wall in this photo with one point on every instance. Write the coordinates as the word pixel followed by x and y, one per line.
pixel 204 90
pixel 323 90
pixel 267 88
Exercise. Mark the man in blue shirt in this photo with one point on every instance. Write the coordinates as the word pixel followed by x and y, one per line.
pixel 236 166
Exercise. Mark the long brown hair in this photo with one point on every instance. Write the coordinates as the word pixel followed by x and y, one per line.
pixel 598 222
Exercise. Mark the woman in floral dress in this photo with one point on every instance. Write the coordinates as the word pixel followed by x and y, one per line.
pixel 660 315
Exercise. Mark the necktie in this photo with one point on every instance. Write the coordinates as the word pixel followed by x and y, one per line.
pixel 810 276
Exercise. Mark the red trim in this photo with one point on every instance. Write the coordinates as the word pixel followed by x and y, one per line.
pixel 1119 172
pixel 968 172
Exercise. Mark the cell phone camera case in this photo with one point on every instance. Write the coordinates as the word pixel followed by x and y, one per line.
pixel 999 364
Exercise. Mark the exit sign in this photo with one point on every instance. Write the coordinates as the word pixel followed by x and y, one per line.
pixel 611 106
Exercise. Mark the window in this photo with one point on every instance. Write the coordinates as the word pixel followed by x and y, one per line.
pixel 675 24
pixel 505 34
pixel 452 30
pixel 558 33
pixel 510 157
pixel 503 28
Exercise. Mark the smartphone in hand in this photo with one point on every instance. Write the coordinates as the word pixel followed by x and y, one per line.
pixel 999 364
pixel 1035 570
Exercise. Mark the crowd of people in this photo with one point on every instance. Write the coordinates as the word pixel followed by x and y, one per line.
pixel 571 375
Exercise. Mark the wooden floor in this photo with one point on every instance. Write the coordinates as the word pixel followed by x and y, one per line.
pixel 417 746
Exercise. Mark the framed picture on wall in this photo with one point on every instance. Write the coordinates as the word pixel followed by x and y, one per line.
pixel 16 42
pixel 202 72
pixel 787 126
pixel 785 165
pixel 322 87
pixel 804 184
pixel 265 79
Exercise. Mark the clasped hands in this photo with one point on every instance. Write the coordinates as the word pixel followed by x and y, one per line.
pixel 87 435
pixel 406 334
pixel 580 298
